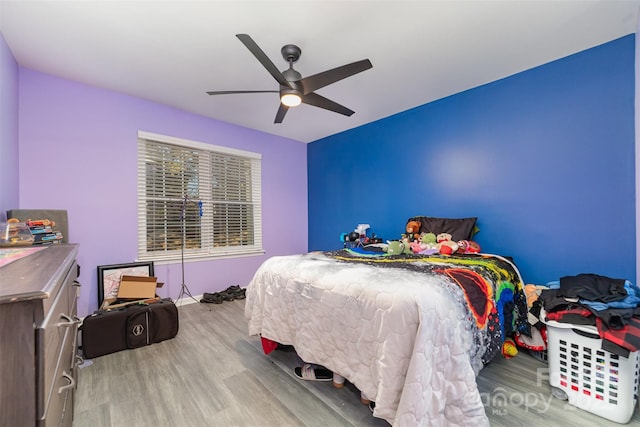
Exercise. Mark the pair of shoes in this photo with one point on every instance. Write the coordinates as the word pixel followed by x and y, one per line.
pixel 214 298
pixel 311 372
pixel 234 292
pixel 231 293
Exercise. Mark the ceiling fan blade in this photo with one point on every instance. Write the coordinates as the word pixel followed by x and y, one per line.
pixel 282 110
pixel 230 92
pixel 322 102
pixel 263 58
pixel 325 78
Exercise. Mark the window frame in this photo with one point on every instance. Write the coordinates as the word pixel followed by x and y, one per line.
pixel 206 232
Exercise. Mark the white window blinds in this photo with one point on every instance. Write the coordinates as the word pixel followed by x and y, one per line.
pixel 200 198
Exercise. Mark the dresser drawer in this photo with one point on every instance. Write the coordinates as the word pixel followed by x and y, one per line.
pixel 62 383
pixel 55 341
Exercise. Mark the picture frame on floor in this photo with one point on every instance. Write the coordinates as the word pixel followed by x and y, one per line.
pixel 109 277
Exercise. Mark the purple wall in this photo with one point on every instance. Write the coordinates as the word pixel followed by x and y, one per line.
pixel 78 151
pixel 8 129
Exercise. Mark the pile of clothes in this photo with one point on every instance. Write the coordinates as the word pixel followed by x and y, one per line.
pixel 536 342
pixel 611 305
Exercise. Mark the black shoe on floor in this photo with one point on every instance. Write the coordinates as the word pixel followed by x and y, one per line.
pixel 214 298
pixel 227 296
pixel 233 289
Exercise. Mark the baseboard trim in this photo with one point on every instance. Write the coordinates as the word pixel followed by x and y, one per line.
pixel 186 300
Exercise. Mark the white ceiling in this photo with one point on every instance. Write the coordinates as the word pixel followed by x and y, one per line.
pixel 171 52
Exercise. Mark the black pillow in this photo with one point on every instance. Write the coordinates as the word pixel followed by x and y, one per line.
pixel 459 228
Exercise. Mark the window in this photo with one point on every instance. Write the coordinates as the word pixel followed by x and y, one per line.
pixel 198 198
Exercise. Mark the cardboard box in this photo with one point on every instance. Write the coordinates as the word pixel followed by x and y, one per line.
pixel 137 287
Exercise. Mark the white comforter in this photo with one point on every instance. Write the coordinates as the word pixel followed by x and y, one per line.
pixel 399 336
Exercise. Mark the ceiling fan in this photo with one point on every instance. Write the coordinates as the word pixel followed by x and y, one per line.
pixel 293 88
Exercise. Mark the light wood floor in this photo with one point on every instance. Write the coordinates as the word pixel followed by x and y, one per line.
pixel 214 374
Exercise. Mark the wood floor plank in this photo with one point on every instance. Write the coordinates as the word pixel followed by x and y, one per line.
pixel 213 373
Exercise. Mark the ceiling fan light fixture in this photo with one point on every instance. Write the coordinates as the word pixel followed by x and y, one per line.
pixel 294 89
pixel 290 97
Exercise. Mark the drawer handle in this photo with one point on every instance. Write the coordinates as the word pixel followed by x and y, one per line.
pixel 68 321
pixel 72 382
pixel 76 283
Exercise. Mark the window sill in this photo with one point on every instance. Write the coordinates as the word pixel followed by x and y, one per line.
pixel 173 259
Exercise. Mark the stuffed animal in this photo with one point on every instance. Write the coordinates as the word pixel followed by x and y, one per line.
pixel 509 348
pixel 413 230
pixel 395 247
pixel 445 245
pixel 415 246
pixel 427 244
pixel 473 247
pixel 428 239
pixel 407 246
pixel 448 247
pixel 468 247
pixel 443 237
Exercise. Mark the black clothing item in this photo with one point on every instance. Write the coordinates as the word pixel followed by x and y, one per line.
pixel 614 348
pixel 534 312
pixel 593 287
pixel 553 300
pixel 615 318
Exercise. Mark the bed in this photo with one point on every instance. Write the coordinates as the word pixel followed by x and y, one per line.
pixel 410 331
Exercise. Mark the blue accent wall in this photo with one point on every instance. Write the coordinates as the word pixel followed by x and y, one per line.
pixel 543 158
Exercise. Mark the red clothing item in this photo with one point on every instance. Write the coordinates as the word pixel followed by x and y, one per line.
pixel 267 345
pixel 577 315
pixel 628 337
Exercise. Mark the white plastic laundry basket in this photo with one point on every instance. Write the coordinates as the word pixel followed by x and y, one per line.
pixel 595 380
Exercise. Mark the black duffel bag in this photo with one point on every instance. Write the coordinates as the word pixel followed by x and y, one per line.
pixel 111 330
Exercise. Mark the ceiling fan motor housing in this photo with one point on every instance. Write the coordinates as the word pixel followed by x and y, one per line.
pixel 290 52
pixel 292 76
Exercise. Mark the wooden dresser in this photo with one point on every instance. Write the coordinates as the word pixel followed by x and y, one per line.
pixel 38 334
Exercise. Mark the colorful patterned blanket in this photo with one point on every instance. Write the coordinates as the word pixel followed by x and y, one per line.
pixel 492 287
